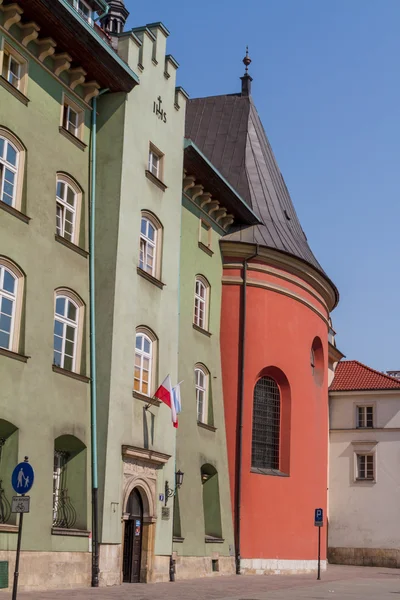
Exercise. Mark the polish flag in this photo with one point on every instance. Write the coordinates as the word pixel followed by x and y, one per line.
pixel 164 393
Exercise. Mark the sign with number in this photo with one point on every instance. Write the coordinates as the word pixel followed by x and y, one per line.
pixel 319 517
pixel 20 504
pixel 22 478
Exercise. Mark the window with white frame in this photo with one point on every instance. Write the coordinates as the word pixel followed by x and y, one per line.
pixel 366 467
pixel 66 210
pixel 71 120
pixel 9 156
pixel 148 246
pixel 201 384
pixel 155 162
pixel 143 364
pixel 365 417
pixel 83 9
pixel 201 295
pixel 66 323
pixel 8 301
pixel 14 68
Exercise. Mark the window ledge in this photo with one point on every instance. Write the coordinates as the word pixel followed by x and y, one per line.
pixel 70 532
pixel 15 212
pixel 205 249
pixel 368 480
pixel 146 399
pixel 8 528
pixel 206 426
pixel 273 472
pixel 155 180
pixel 150 278
pixel 14 91
pixel 178 540
pixel 70 245
pixel 70 136
pixel 71 374
pixel 209 539
pixel 201 330
pixel 14 355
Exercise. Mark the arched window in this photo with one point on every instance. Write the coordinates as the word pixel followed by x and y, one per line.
pixel 8 460
pixel 144 361
pixel 11 284
pixel 68 199
pixel 67 331
pixel 11 166
pixel 266 424
pixel 69 483
pixel 201 383
pixel 211 502
pixel 201 302
pixel 150 245
pixel 317 361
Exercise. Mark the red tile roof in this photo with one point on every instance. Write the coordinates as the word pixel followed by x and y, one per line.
pixel 351 375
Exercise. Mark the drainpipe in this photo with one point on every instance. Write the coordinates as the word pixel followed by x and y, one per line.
pixel 239 428
pixel 93 377
pixel 105 13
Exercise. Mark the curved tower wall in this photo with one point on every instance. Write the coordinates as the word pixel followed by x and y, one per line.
pixel 284 315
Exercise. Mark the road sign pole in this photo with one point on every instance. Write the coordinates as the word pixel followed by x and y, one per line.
pixel 319 553
pixel 16 572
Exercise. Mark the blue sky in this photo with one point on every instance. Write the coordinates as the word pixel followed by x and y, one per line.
pixel 327 88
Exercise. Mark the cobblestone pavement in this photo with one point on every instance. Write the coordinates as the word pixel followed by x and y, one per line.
pixel 342 583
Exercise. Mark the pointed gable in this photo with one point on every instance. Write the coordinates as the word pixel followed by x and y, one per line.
pixel 352 376
pixel 230 133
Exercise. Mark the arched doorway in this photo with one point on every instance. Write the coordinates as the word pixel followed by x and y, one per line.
pixel 133 538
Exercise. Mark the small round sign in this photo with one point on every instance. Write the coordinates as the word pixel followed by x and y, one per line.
pixel 22 478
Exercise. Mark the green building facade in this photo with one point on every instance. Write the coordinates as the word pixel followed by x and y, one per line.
pixel 203 528
pixel 46 88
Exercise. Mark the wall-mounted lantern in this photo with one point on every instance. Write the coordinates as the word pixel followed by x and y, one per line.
pixel 178 482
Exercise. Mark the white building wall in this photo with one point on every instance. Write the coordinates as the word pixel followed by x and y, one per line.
pixel 364 524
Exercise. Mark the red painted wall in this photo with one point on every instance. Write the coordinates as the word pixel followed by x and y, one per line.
pixel 277 519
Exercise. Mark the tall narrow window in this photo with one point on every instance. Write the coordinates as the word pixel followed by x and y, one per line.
pixel 72 117
pixel 14 68
pixel 266 424
pixel 154 163
pixel 201 297
pixel 66 207
pixel 143 364
pixel 8 171
pixel 11 284
pixel 66 322
pixel 148 245
pixel 201 383
pixel 70 121
pixel 69 483
pixel 365 417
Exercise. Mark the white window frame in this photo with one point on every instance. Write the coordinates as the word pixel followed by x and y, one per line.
pixel 361 416
pixel 365 456
pixel 15 298
pixel 67 106
pixel 155 162
pixel 201 304
pixel 145 244
pixel 77 326
pixel 142 355
pixel 17 79
pixel 62 204
pixel 4 164
pixel 201 391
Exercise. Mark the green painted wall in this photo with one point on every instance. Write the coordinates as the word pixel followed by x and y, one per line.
pixel 197 446
pixel 41 404
pixel 125 300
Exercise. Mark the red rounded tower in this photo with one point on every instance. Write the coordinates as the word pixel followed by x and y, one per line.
pixel 274 345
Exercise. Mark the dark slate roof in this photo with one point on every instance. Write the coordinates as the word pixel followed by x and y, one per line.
pixel 230 133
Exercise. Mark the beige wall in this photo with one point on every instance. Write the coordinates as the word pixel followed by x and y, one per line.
pixel 364 514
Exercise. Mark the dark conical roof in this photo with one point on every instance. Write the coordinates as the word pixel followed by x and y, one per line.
pixel 230 133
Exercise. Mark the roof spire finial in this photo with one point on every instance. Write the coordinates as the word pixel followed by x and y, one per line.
pixel 246 79
pixel 247 60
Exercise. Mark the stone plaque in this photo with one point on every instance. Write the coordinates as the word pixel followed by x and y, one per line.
pixel 165 513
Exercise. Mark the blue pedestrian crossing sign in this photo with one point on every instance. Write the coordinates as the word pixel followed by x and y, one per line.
pixel 22 478
pixel 319 517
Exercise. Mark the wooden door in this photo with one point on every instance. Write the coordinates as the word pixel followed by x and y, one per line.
pixel 133 539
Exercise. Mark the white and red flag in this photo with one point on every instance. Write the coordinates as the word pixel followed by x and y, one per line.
pixel 164 393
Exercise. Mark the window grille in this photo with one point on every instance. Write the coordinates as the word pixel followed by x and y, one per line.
pixel 5 507
pixel 266 425
pixel 365 466
pixel 64 513
pixel 365 417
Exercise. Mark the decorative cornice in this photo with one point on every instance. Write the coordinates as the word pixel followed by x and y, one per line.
pixel 47 48
pixel 12 15
pixel 76 77
pixel 61 62
pixel 322 285
pixel 30 31
pixel 153 457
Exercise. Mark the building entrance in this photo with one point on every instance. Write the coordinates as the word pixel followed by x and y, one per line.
pixel 133 538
